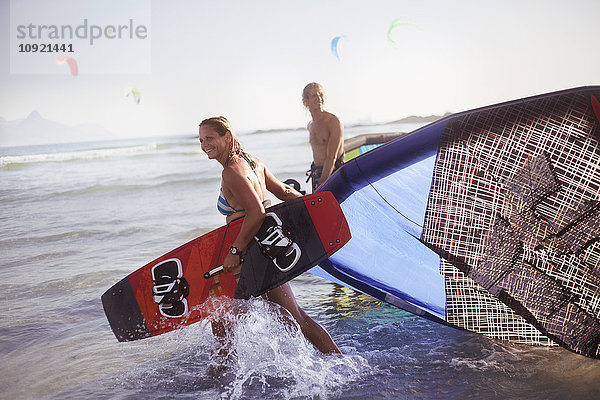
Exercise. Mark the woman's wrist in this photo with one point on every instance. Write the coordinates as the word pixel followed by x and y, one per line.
pixel 238 248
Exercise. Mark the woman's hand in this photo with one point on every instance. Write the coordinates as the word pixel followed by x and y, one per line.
pixel 230 262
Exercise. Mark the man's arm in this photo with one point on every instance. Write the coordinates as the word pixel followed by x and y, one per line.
pixel 336 136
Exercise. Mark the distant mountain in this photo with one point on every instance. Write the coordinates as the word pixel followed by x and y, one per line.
pixel 416 119
pixel 413 119
pixel 35 129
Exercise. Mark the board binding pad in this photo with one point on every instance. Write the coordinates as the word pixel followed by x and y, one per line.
pixel 171 291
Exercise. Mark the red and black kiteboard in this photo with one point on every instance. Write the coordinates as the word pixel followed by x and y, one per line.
pixel 172 290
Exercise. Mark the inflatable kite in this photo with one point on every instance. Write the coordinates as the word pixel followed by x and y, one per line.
pixel 487 220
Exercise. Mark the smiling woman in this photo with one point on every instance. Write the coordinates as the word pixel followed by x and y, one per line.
pixel 244 186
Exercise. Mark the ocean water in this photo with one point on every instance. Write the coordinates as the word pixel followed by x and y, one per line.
pixel 76 218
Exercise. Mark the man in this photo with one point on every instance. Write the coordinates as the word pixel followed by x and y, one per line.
pixel 326 136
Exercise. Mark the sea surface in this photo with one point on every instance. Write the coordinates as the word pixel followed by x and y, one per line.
pixel 77 218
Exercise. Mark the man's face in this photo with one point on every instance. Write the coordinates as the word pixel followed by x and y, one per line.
pixel 316 98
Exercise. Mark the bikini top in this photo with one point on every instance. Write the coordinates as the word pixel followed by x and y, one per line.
pixel 222 204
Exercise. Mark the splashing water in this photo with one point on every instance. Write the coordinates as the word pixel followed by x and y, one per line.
pixel 270 355
pixel 263 355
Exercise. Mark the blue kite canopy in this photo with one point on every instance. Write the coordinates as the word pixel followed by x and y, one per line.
pixel 334 46
pixel 487 220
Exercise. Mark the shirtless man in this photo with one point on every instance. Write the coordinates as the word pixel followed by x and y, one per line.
pixel 326 136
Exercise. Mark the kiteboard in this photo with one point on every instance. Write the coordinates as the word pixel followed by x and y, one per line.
pixel 171 291
pixel 487 220
pixel 360 144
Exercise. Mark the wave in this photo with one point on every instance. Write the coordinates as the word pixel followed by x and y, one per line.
pixel 91 154
pixel 63 237
pixel 130 187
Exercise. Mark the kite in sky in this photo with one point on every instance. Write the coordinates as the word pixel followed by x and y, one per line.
pixel 134 93
pixel 396 23
pixel 60 60
pixel 334 44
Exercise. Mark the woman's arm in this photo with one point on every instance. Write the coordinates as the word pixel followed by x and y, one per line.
pixel 249 200
pixel 278 188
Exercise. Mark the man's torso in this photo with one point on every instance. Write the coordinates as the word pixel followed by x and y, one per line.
pixel 319 135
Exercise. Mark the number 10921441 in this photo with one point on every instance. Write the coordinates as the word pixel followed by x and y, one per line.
pixel 45 48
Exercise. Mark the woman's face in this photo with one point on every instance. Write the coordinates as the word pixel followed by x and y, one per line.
pixel 215 146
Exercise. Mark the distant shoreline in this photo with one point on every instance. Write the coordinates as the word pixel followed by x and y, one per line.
pixel 37 130
pixel 412 119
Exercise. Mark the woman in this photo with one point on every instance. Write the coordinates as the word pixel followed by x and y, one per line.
pixel 244 185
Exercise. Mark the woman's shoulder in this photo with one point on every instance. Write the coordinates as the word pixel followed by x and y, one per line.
pixel 253 162
pixel 228 172
pixel 258 162
pixel 240 166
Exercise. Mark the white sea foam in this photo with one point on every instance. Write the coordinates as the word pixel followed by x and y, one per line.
pixel 270 355
pixel 264 355
pixel 75 155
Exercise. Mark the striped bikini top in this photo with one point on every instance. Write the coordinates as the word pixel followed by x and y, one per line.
pixel 222 204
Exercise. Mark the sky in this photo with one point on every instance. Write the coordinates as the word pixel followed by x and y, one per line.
pixel 249 60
